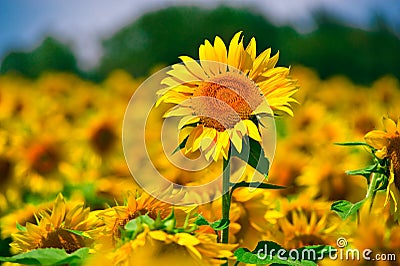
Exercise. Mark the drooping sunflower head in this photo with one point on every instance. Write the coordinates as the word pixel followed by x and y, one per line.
pixel 387 145
pixel 159 247
pixel 136 204
pixel 54 228
pixel 221 97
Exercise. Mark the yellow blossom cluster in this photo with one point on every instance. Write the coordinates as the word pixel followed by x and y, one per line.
pixel 62 134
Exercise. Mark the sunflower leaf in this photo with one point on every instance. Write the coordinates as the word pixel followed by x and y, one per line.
pixel 217 225
pixel 78 233
pixel 220 224
pixel 49 256
pixel 354 143
pixel 21 227
pixel 345 209
pixel 253 154
pixel 256 185
pixel 366 172
pixel 180 146
pixel 201 220
pixel 271 253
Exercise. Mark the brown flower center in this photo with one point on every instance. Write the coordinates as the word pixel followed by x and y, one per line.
pixel 228 98
pixel 62 239
pixel 103 138
pixel 394 154
pixel 5 170
pixel 43 157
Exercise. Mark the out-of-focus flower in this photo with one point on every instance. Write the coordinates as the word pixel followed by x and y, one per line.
pixel 305 222
pixel 325 177
pixel 387 144
pixel 235 77
pixel 21 216
pixel 157 247
pixel 53 229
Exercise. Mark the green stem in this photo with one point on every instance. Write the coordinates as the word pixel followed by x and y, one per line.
pixel 226 197
pixel 371 189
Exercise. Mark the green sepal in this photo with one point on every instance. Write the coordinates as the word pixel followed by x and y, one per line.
pixel 346 209
pixel 217 225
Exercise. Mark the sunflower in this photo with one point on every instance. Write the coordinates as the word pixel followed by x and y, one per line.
pixel 157 247
pixel 54 229
pixel 136 204
pixel 22 215
pixel 387 144
pixel 222 97
pixel 305 222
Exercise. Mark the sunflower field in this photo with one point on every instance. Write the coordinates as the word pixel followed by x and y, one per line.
pixel 67 195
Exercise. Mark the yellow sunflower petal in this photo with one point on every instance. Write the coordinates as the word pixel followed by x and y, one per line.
pixel 205 63
pixel 377 139
pixel 180 72
pixel 59 209
pixel 259 64
pixel 390 125
pixel 194 67
pixel 187 120
pixel 178 111
pixel 196 132
pixel 235 53
pixel 208 137
pixel 398 124
pixel 252 130
pixel 220 51
pixel 236 140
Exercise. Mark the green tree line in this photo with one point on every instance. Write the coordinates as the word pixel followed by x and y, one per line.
pixel 159 37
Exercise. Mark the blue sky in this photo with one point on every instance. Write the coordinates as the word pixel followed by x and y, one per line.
pixel 82 23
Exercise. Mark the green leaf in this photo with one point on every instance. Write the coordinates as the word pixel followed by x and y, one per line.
pixel 253 154
pixel 345 209
pixel 49 256
pixel 271 253
pixel 132 225
pixel 220 224
pixel 217 225
pixel 354 143
pixel 79 233
pixel 256 185
pixel 20 227
pixel 200 220
pixel 180 146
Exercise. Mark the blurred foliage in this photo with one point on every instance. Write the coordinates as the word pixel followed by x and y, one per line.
pixel 159 37
pixel 50 55
pixel 333 48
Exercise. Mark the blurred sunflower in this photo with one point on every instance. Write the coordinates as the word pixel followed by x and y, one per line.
pixel 226 80
pixel 306 222
pixel 157 247
pixel 387 144
pixel 383 236
pixel 55 228
pixel 22 215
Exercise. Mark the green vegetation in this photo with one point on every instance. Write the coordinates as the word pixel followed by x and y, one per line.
pixel 160 37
